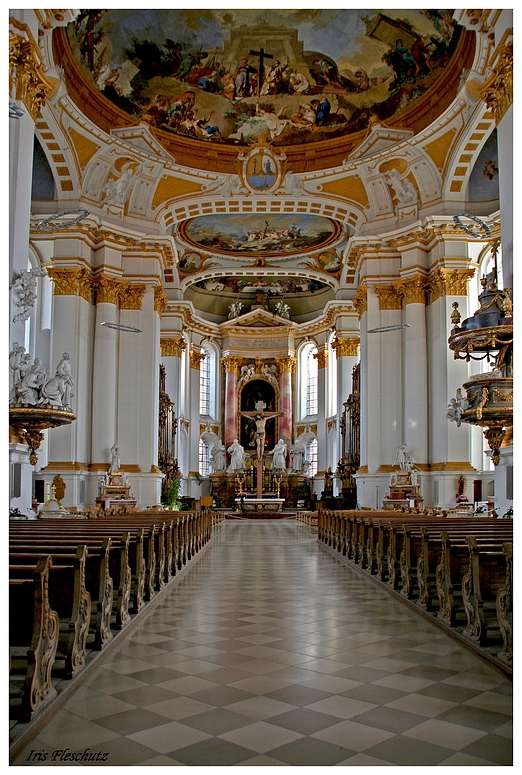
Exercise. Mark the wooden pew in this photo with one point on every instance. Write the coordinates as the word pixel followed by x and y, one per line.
pixel 33 638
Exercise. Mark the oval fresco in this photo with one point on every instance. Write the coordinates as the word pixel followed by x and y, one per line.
pixel 288 76
pixel 275 235
pixel 261 286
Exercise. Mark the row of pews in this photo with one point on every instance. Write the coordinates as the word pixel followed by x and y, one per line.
pixel 74 583
pixel 460 569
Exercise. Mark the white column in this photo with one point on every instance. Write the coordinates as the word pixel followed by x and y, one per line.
pixel 415 370
pixel 171 349
pixel 105 375
pixel 138 396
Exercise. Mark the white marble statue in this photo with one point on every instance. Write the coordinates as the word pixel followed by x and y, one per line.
pixel 279 456
pixel 456 407
pixel 297 453
pixel 403 459
pixel 24 292
pixel 58 389
pixel 29 386
pixel 16 359
pixel 115 459
pixel 404 189
pixel 237 456
pixel 217 457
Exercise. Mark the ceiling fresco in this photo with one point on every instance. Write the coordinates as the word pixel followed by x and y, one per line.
pixel 269 286
pixel 287 76
pixel 260 234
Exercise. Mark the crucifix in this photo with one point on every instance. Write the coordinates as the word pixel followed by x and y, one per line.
pixel 260 419
pixel 262 56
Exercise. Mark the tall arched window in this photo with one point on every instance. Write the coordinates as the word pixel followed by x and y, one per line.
pixel 308 377
pixel 204 383
pixel 203 458
pixel 311 456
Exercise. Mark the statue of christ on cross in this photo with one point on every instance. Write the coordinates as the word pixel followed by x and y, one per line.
pixel 260 419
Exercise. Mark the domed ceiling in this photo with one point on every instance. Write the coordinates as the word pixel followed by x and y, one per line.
pixel 229 78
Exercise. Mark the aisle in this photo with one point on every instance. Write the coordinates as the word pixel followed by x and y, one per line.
pixel 271 652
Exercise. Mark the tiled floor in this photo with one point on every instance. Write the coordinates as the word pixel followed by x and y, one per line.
pixel 272 652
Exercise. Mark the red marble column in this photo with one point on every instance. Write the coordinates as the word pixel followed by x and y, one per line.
pixel 286 369
pixel 232 366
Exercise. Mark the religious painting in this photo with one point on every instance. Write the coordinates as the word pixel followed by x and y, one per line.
pixel 261 170
pixel 190 262
pixel 329 261
pixel 276 235
pixel 290 76
pixel 269 286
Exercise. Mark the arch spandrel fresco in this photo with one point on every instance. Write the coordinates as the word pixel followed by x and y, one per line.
pixel 231 77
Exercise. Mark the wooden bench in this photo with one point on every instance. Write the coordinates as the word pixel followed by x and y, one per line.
pixel 33 638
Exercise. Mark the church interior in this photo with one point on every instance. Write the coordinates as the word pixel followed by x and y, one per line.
pixel 261 387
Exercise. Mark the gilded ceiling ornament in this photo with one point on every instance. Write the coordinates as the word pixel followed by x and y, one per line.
pixel 348 346
pixel 286 363
pixel 389 297
pixel 131 296
pixel 497 90
pixel 321 357
pixel 26 76
pixel 360 301
pixel 195 359
pixel 172 346
pixel 231 364
pixel 160 300
pixel 413 289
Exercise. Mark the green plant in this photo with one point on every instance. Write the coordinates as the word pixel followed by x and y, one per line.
pixel 170 495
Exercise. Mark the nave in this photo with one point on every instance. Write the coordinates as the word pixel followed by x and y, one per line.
pixel 269 651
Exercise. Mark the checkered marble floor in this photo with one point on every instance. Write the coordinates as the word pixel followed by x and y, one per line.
pixel 272 652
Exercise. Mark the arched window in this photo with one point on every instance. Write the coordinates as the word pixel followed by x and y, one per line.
pixel 308 377
pixel 311 456
pixel 204 383
pixel 203 458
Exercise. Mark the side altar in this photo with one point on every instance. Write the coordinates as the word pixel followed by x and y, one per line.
pixel 404 490
pixel 115 491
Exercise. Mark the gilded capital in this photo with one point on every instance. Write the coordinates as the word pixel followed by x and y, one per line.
pixel 321 357
pixel 413 289
pixel 286 363
pixel 346 346
pixel 449 282
pixel 160 300
pixel 172 346
pixel 107 290
pixel 131 296
pixel 71 282
pixel 360 301
pixel 497 90
pixel 195 359
pixel 389 297
pixel 231 364
pixel 26 77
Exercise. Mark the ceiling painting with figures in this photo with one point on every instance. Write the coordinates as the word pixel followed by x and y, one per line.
pixel 290 77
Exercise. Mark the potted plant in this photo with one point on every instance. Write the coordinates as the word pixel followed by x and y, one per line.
pixel 170 495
